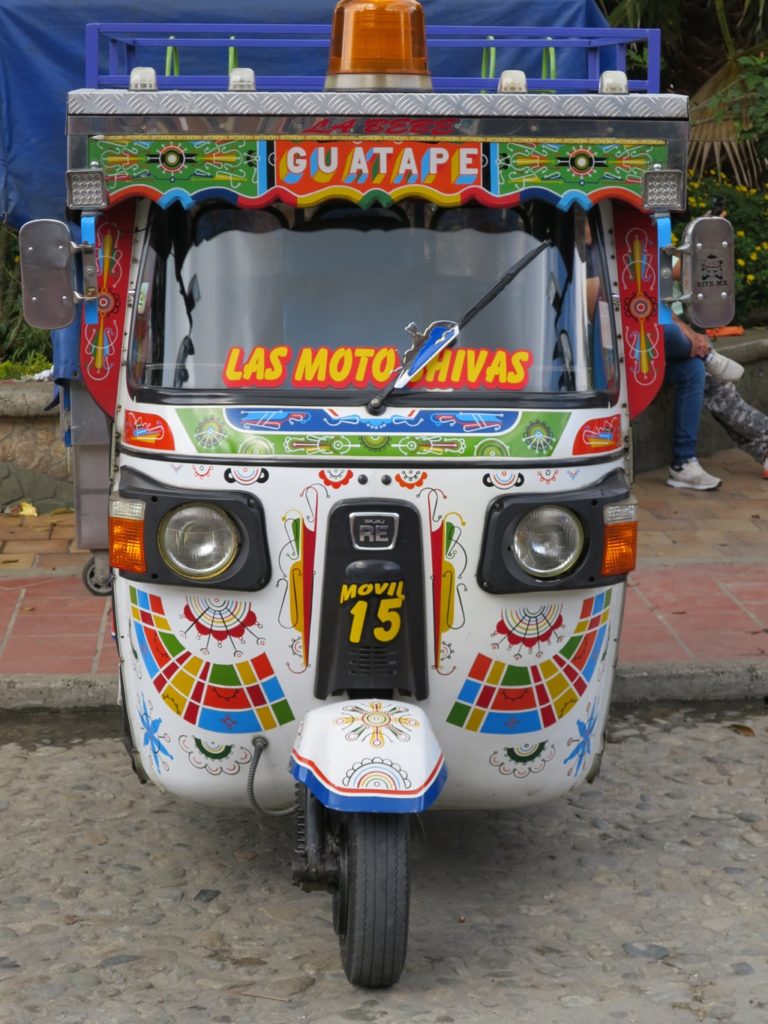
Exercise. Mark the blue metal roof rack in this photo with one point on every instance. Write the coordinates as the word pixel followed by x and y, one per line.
pixel 113 49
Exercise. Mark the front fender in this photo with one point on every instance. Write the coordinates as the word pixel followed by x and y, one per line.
pixel 369 755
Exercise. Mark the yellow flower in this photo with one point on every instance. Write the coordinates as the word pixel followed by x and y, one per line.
pixel 739 234
pixel 741 263
pixel 750 278
pixel 753 255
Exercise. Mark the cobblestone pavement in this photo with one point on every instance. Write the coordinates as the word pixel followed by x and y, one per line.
pixel 640 899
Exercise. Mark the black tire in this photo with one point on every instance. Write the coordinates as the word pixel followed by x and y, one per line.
pixel 101 588
pixel 372 902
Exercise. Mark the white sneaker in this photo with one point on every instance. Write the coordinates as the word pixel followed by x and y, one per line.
pixel 722 367
pixel 692 475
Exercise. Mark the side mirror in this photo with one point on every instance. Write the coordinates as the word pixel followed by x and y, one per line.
pixel 708 272
pixel 47 280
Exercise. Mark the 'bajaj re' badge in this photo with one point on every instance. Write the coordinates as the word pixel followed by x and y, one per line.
pixel 374 531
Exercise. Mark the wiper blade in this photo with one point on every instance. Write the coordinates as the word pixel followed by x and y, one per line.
pixel 502 283
pixel 427 345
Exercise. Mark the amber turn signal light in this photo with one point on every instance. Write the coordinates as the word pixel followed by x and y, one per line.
pixel 378 44
pixel 619 539
pixel 620 549
pixel 126 535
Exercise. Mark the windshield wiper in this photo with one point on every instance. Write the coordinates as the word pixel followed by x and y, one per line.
pixel 428 344
pixel 190 297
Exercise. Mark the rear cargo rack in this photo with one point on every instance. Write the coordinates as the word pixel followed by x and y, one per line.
pixel 200 56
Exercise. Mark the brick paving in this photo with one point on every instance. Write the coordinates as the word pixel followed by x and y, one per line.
pixel 699 593
pixel 44 543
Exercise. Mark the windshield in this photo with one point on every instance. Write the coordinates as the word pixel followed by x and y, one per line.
pixel 331 298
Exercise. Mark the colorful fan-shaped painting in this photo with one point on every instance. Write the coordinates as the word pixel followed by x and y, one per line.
pixel 504 699
pixel 244 696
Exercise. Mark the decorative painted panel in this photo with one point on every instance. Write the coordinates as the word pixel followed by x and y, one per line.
pixel 328 434
pixel 228 693
pixel 101 341
pixel 502 698
pixel 637 257
pixel 304 170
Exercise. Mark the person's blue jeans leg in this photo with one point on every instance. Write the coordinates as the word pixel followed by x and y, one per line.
pixel 687 374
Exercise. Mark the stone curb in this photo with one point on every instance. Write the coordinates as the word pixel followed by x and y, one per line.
pixel 635 684
pixel 746 679
pixel 25 398
pixel 57 693
pixel 32 573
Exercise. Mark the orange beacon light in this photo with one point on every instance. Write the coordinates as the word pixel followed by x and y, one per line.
pixel 378 44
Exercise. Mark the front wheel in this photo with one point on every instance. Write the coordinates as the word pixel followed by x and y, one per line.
pixel 370 906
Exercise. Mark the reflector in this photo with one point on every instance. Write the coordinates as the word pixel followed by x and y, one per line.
pixel 378 44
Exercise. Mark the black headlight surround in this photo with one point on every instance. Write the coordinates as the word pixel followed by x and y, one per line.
pixel 250 569
pixel 499 572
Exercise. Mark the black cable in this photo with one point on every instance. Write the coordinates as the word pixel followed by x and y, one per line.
pixel 259 746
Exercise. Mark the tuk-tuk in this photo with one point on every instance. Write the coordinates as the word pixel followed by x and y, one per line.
pixel 358 363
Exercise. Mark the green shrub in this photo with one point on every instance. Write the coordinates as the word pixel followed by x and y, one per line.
pixel 10 370
pixel 744 101
pixel 747 210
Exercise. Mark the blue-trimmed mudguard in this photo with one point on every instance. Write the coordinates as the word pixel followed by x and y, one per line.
pixel 369 755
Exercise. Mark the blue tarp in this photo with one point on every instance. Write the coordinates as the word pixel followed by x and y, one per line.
pixel 42 57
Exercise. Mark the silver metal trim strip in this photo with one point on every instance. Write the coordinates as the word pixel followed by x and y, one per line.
pixel 344 104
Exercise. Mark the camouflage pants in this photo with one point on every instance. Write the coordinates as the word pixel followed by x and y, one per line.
pixel 745 425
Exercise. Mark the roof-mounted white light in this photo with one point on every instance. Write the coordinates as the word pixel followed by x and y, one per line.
pixel 513 81
pixel 143 80
pixel 613 82
pixel 242 80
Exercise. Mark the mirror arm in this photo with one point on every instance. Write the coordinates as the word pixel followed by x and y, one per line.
pixel 87 254
pixel 666 287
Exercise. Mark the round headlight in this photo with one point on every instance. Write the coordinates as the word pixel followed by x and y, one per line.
pixel 198 541
pixel 548 541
